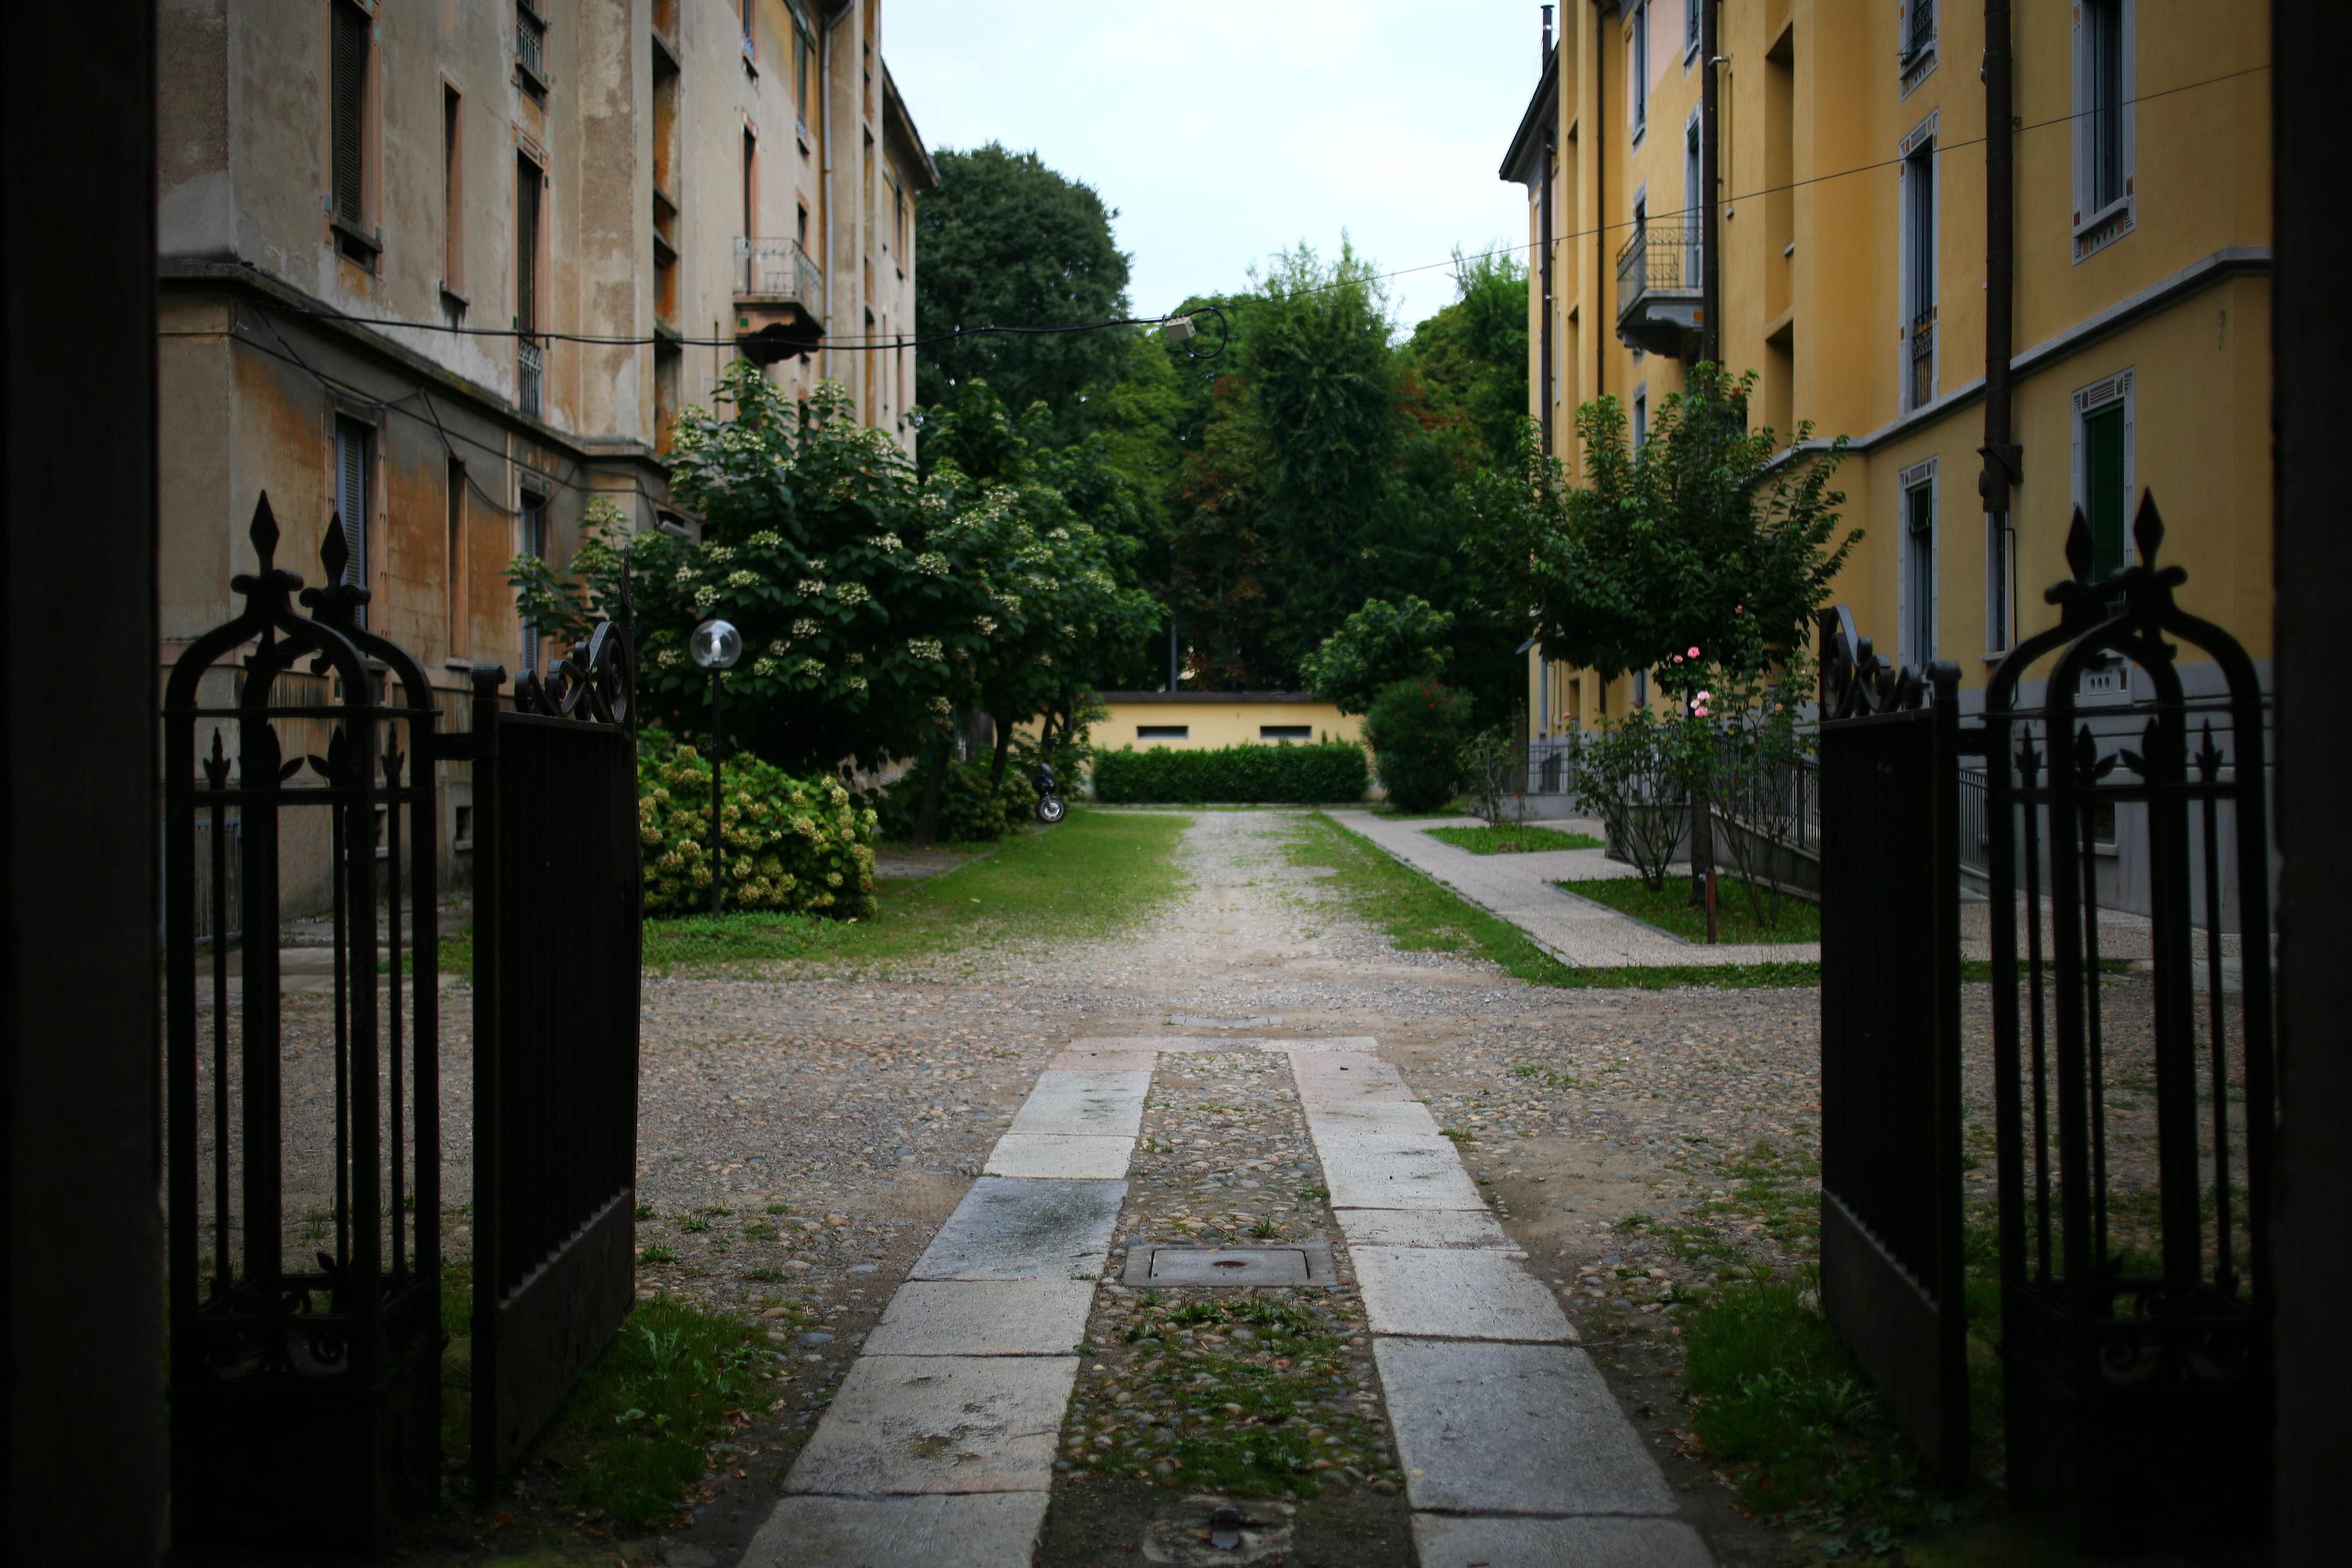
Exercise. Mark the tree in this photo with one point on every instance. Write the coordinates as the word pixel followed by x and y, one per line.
pixel 1377 647
pixel 1007 242
pixel 1694 555
pixel 1696 539
pixel 1060 610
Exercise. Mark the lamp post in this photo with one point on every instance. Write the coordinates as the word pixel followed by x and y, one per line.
pixel 716 646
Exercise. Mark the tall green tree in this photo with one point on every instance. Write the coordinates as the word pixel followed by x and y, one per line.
pixel 1007 242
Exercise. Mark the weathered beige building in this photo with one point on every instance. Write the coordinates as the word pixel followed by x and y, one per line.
pixel 448 270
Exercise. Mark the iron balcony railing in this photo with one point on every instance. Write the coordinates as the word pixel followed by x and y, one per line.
pixel 1921 32
pixel 531 376
pixel 530 42
pixel 1658 256
pixel 779 269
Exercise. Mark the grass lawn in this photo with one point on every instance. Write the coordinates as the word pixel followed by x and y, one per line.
pixel 1420 916
pixel 1522 840
pixel 1670 909
pixel 632 1434
pixel 1096 872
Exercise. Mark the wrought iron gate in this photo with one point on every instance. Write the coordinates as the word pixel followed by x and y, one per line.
pixel 305 1394
pixel 2135 1292
pixel 557 946
pixel 1891 1268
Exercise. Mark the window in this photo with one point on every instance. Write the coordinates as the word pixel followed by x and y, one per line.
pixel 455 570
pixel 2103 70
pixel 352 451
pixel 1998 613
pixel 1163 731
pixel 1641 689
pixel 1637 67
pixel 530 47
pixel 1694 179
pixel 1286 732
pixel 1917 58
pixel 898 226
pixel 532 541
pixel 530 363
pixel 349 66
pixel 1917 485
pixel 750 214
pixel 1918 258
pixel 800 227
pixel 2105 489
pixel 1641 415
pixel 748 13
pixel 804 71
pixel 453 192
pixel 1691 26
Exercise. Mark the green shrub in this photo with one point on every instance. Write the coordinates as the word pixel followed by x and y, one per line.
pixel 1240 775
pixel 970 812
pixel 791 844
pixel 1417 729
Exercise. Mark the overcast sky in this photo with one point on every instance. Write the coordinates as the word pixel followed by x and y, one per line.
pixel 1222 132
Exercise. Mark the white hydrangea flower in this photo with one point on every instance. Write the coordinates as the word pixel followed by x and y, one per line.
pixel 705 597
pixel 856 683
pixel 763 665
pixel 768 537
pixel 685 575
pixel 856 659
pixel 941 706
pixel 812 667
pixel 931 564
pixel 718 554
pixel 816 566
pixel 889 544
pixel 853 593
pixel 983 626
pixel 804 627
pixel 668 659
pixel 925 648
pixel 742 579
pixel 810 587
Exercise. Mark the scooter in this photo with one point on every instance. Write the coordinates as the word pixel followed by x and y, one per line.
pixel 1050 809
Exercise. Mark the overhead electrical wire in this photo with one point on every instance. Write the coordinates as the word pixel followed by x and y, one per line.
pixel 849 345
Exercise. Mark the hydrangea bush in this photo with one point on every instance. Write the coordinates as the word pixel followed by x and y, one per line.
pixel 792 843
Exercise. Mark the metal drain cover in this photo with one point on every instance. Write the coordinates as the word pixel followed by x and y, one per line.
pixel 1179 1265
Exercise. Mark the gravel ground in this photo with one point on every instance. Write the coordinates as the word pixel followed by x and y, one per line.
pixel 803 1135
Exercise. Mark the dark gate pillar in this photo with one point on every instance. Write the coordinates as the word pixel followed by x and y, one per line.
pixel 81 1247
pixel 2311 344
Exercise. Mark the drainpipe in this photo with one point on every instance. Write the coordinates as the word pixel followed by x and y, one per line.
pixel 1544 232
pixel 2003 457
pixel 1710 182
pixel 1605 303
pixel 824 174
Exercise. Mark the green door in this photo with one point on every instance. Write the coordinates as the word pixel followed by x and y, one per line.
pixel 2103 487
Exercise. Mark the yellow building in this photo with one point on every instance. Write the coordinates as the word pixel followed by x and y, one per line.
pixel 1852 212
pixel 1197 721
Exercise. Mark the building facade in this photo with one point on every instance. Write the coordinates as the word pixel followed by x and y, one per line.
pixel 448 272
pixel 1854 227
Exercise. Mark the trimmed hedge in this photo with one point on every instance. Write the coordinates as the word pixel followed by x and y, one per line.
pixel 970 811
pixel 1238 775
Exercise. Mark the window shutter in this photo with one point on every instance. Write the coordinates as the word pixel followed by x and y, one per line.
pixel 348 87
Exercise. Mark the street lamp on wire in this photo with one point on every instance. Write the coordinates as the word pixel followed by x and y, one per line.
pixel 716 646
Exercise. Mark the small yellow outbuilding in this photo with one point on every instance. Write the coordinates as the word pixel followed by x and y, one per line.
pixel 1202 720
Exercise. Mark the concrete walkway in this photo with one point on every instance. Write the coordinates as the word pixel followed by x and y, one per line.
pixel 1518 888
pixel 937 1452
pixel 1513 1449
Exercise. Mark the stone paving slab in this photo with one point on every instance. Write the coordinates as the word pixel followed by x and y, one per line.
pixel 1460 1293
pixel 1122 1085
pixel 1337 1078
pixel 1510 1428
pixel 1371 1116
pixel 1422 1227
pixel 1446 1540
pixel 1008 1228
pixel 1360 1044
pixel 1103 1058
pixel 1518 888
pixel 1060 1156
pixel 983 1317
pixel 938 1424
pixel 1089 1115
pixel 989 1529
pixel 1394 1170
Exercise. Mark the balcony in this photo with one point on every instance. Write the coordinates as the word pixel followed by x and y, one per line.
pixel 531 376
pixel 1658 289
pixel 778 299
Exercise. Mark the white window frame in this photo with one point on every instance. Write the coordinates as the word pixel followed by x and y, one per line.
pixel 2096 230
pixel 1913 69
pixel 1692 33
pixel 1637 52
pixel 1908 260
pixel 1694 197
pixel 1906 611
